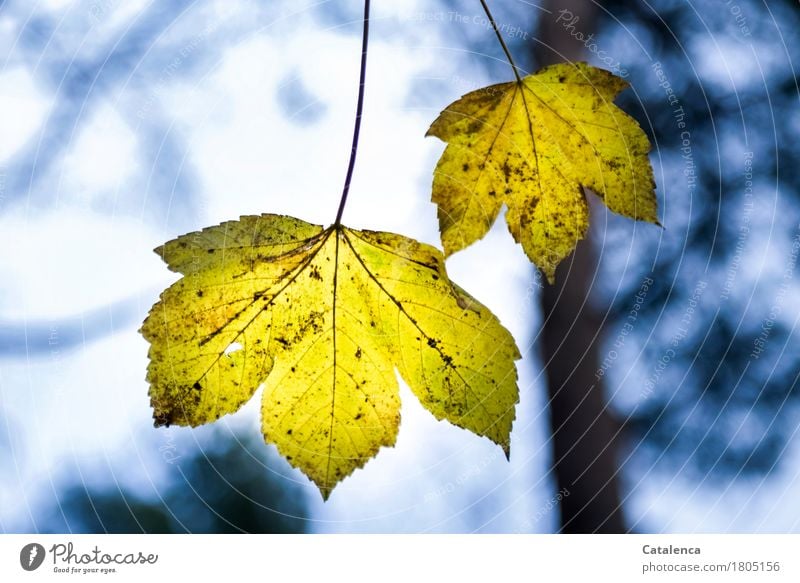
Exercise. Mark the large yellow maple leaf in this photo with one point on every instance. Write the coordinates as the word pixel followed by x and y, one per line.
pixel 323 318
pixel 533 145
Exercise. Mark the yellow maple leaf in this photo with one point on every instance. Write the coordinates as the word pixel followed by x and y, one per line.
pixel 323 317
pixel 532 145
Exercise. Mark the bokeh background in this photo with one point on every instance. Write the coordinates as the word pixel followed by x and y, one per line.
pixel 659 384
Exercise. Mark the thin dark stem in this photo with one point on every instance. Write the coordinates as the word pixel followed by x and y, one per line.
pixel 359 109
pixel 500 38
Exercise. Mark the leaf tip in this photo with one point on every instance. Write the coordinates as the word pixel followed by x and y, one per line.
pixel 325 493
pixel 549 274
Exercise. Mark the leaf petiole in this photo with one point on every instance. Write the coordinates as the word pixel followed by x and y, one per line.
pixel 502 42
pixel 359 109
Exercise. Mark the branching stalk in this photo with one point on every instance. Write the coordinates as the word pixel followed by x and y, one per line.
pixel 359 109
pixel 500 38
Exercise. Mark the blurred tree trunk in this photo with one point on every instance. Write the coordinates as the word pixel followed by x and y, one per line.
pixel 584 451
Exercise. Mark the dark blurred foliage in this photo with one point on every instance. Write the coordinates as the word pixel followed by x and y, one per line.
pixel 721 404
pixel 229 485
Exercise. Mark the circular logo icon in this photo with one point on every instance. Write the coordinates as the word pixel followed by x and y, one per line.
pixel 31 556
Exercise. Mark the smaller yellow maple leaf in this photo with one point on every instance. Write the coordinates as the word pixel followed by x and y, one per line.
pixel 533 145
